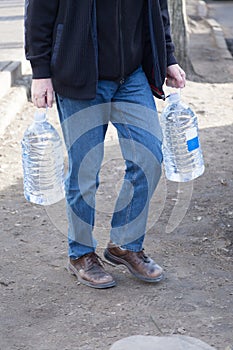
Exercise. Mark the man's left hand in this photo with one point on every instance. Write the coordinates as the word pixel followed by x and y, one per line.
pixel 176 77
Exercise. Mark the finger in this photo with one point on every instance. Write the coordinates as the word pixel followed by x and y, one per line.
pixel 179 81
pixel 38 96
pixel 50 98
pixel 40 102
pixel 176 77
pixel 182 82
pixel 179 77
pixel 183 74
pixel 171 82
pixel 175 83
pixel 183 77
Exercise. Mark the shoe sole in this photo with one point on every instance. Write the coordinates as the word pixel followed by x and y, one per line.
pixel 89 284
pixel 118 261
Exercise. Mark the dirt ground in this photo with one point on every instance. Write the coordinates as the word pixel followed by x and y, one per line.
pixel 190 233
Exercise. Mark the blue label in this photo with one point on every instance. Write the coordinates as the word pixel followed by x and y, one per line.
pixel 193 144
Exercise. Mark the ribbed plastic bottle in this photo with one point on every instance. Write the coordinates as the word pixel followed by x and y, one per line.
pixel 183 158
pixel 42 158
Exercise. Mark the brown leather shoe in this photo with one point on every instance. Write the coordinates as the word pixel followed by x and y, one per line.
pixel 89 271
pixel 140 265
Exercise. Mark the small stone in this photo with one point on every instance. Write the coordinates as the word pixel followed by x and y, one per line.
pixel 197 218
pixel 17 224
pixel 181 330
pixel 223 182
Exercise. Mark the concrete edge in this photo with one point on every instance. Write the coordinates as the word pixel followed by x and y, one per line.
pixel 9 75
pixel 219 37
pixel 14 90
pixel 10 105
pixel 202 10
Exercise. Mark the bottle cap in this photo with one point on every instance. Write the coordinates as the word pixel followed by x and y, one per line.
pixel 39 117
pixel 174 97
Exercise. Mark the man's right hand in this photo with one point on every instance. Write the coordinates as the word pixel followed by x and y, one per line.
pixel 42 93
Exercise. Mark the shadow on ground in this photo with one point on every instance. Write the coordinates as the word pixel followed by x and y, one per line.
pixel 43 307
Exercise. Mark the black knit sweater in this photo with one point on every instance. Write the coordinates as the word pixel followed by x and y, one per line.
pixel 61 43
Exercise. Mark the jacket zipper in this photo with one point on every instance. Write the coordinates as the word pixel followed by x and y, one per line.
pixel 122 63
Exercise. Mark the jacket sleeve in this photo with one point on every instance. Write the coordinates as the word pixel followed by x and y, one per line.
pixel 40 16
pixel 167 29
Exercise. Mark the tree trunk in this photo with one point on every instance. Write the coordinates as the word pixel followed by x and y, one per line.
pixel 178 17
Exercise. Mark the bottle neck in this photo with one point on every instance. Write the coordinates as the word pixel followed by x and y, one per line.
pixel 39 117
pixel 174 98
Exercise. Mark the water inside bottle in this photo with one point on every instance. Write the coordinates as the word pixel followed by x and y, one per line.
pixel 43 168
pixel 183 158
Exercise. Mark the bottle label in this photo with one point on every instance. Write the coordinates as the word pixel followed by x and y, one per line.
pixel 192 139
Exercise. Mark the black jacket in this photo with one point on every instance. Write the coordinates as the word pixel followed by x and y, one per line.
pixel 61 43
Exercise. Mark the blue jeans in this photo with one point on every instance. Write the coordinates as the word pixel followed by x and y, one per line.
pixel 131 109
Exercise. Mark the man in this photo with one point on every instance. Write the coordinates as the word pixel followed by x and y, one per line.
pixel 104 60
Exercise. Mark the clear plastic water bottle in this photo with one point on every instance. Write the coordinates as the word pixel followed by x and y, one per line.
pixel 183 159
pixel 42 158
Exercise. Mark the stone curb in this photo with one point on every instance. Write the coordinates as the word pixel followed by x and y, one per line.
pixel 11 104
pixel 9 73
pixel 202 10
pixel 219 38
pixel 13 94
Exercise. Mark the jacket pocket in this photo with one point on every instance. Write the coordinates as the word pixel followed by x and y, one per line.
pixel 57 43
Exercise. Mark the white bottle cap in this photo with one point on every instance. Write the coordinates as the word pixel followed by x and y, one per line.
pixel 39 117
pixel 174 97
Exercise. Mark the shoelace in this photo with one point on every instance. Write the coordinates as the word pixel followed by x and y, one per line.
pixel 94 259
pixel 145 258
